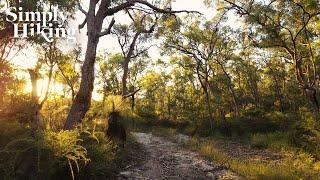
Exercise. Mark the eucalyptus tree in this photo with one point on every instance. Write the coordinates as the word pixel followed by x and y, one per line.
pixel 98 12
pixel 49 56
pixel 132 39
pixel 247 78
pixel 274 81
pixel 184 100
pixel 8 47
pixel 154 86
pixel 203 43
pixel 136 70
pixel 289 27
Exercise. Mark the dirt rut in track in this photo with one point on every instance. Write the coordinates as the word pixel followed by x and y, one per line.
pixel 164 159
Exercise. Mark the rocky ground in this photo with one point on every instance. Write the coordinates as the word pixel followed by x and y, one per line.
pixel 160 158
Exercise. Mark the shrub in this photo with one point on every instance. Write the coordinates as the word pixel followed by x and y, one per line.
pixel 116 103
pixel 66 147
pixel 273 140
pixel 83 152
pixel 306 133
pixel 103 154
pixel 48 154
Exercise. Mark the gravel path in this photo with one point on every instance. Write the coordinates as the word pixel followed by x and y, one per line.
pixel 164 159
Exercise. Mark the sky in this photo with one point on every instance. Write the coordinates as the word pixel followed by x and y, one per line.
pixel 28 57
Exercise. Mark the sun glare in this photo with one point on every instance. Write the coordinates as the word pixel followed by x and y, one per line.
pixel 55 88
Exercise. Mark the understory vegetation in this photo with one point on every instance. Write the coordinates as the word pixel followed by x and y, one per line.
pixel 83 153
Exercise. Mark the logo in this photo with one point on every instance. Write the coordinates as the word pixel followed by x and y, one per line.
pixel 49 24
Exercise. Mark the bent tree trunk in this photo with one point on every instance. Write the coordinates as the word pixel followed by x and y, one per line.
pixel 125 65
pixel 82 101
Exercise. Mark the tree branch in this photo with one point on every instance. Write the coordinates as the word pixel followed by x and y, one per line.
pixel 81 9
pixel 131 3
pixel 83 23
pixel 108 30
pixel 132 93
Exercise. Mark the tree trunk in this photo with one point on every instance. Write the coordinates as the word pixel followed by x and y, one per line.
pixel 125 67
pixel 82 101
pixel 204 86
pixel 169 105
pixel 312 95
pixel 234 99
pixel 132 98
pixel 132 103
pixel 125 64
pixel 73 94
pixel 209 109
pixel 279 94
pixel 35 117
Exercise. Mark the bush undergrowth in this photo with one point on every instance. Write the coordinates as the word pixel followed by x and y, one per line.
pixel 81 153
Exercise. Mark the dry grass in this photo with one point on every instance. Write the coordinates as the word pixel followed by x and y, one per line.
pixel 292 167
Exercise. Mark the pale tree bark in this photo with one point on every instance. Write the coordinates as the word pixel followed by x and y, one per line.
pixel 82 100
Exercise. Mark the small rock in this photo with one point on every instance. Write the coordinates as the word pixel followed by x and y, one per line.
pixel 210 175
pixel 206 167
pixel 126 174
pixel 181 138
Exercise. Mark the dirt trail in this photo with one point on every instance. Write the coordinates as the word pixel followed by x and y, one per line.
pixel 164 159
